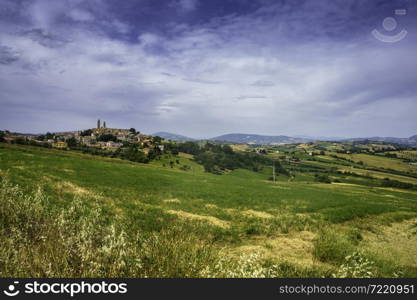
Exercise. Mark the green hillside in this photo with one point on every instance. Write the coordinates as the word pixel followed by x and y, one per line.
pixel 293 227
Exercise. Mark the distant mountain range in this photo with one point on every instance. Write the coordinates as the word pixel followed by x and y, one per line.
pixel 411 141
pixel 173 136
pixel 242 138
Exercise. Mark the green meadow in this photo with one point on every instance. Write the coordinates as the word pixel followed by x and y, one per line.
pixel 69 214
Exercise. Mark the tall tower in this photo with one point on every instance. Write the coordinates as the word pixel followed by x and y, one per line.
pixel 104 124
pixel 98 124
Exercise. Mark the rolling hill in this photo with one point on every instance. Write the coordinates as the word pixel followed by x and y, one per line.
pixel 173 136
pixel 161 215
pixel 242 138
pixel 411 141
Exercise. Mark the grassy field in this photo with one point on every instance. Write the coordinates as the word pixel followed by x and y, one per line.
pixel 380 162
pixel 239 224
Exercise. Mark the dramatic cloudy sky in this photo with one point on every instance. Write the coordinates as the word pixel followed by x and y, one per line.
pixel 208 67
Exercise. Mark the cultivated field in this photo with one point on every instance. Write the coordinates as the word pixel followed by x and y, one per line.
pixel 75 214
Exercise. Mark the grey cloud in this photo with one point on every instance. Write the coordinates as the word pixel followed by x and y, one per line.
pixel 46 39
pixel 8 55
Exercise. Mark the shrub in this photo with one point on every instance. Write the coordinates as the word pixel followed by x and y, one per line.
pixel 386 182
pixel 246 266
pixel 356 265
pixel 333 246
pixel 322 178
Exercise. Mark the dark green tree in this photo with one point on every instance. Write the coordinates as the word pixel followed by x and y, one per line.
pixel 49 136
pixel 72 142
pixel 87 132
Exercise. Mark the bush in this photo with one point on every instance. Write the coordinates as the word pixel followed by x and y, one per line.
pixel 322 178
pixel 386 182
pixel 246 266
pixel 356 265
pixel 333 246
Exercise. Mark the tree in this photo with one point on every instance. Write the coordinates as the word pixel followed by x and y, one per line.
pixel 154 153
pixel 132 130
pixel 49 136
pixel 132 153
pixel 107 138
pixel 156 139
pixel 87 132
pixel 189 147
pixel 72 142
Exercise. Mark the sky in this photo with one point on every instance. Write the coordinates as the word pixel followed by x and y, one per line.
pixel 203 68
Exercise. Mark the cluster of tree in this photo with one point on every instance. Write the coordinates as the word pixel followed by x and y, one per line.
pixel 307 168
pixel 2 135
pixel 45 137
pixel 107 138
pixel 216 158
pixel 322 178
pixel 72 142
pixel 87 132
pixel 186 147
pixel 386 182
pixel 133 153
pixel 130 152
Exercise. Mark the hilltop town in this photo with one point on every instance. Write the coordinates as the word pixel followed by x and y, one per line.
pixel 100 137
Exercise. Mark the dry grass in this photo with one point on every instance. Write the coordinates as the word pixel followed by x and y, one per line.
pixel 173 200
pixel 209 219
pixel 396 243
pixel 257 214
pixel 211 206
pixel 186 155
pixel 19 167
pixel 294 247
pixel 69 187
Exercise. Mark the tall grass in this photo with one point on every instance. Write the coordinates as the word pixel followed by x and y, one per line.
pixel 77 241
pixel 41 240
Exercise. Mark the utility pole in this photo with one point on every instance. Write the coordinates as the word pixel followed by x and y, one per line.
pixel 273 170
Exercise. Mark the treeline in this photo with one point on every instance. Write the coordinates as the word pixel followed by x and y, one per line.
pixel 397 184
pixel 23 141
pixel 130 152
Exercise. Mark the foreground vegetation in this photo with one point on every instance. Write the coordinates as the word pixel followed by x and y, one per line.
pixel 79 215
